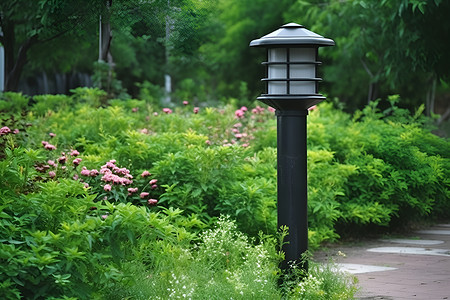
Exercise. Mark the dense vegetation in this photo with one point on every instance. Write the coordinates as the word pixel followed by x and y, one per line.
pixel 104 196
pixel 122 198
pixel 390 46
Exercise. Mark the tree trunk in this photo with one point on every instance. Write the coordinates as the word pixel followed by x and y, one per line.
pixel 105 36
pixel 14 69
pixel 431 97
pixel 167 77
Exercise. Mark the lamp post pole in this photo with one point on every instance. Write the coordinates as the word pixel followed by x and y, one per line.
pixel 292 182
pixel 292 85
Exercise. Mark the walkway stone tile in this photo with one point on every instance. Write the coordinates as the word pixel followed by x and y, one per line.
pixel 411 272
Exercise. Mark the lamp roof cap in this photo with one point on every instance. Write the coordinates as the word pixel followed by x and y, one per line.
pixel 292 34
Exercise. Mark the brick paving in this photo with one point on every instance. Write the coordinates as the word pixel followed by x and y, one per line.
pixel 410 276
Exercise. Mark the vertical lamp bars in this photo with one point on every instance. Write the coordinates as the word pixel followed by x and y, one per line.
pixel 291 71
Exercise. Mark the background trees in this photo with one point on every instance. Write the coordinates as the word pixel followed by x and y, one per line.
pixel 390 46
pixel 383 47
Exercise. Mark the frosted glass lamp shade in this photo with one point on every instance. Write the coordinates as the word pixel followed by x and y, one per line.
pixel 291 67
pixel 291 71
pixel 277 71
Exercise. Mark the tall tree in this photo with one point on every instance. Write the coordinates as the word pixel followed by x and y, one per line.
pixel 25 24
pixel 388 45
pixel 228 55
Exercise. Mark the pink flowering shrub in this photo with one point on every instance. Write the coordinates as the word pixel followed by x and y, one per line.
pixel 118 184
pixel 109 182
pixel 5 130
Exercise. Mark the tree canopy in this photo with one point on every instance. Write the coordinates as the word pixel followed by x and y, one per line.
pixel 382 47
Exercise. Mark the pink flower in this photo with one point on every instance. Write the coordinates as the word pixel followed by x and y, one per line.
pixel 208 142
pixel 52 135
pixel 145 174
pixel 239 113
pixel 135 109
pixel 144 194
pixel 51 163
pixel 104 217
pixel 16 131
pixel 107 187
pixel 62 159
pixel 85 172
pixel 196 109
pixel 76 161
pixel 155 113
pixel 74 153
pixel 244 109
pixel 271 109
pixel 51 174
pixel 43 142
pixel 4 130
pixel 245 145
pixel 93 173
pixel 131 191
pixel 144 131
pixel 153 181
pixel 49 146
pixel 185 102
pixel 152 201
pixel 312 108
pixel 75 177
pixel 155 186
pixel 167 110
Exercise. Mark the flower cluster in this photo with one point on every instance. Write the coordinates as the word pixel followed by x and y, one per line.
pixel 258 110
pixel 48 146
pixel 60 163
pixel 6 130
pixel 89 173
pixel 240 112
pixel 115 175
pixel 119 180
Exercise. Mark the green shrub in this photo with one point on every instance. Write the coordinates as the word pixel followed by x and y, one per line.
pixel 44 104
pixel 57 240
pixel 13 103
pixel 65 232
pixel 225 264
pixel 400 167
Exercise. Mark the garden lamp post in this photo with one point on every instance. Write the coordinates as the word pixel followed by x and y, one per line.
pixel 291 88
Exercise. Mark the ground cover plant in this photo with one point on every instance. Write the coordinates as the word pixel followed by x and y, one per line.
pixel 124 199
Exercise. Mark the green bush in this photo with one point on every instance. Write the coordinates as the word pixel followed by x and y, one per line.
pixel 69 230
pixel 376 168
pixel 11 102
pixel 401 169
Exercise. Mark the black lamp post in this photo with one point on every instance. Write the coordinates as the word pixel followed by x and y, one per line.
pixel 291 88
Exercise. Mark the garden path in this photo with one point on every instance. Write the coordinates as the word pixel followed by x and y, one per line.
pixel 416 266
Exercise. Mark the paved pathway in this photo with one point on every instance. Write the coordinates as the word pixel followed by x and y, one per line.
pixel 414 267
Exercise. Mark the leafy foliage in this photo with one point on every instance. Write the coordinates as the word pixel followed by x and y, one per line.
pixel 96 193
pixel 391 46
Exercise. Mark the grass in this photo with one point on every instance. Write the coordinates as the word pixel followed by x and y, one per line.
pixel 225 264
